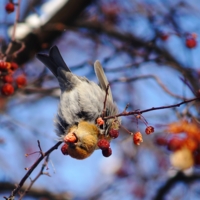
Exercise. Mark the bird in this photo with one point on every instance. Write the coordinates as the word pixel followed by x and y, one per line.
pixel 81 106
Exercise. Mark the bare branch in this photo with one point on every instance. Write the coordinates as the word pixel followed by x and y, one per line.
pixel 129 38
pixel 16 190
pixel 151 109
pixel 180 177
pixel 126 80
pixel 39 174
pixel 36 192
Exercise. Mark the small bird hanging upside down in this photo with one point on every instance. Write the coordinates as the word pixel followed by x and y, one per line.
pixel 79 121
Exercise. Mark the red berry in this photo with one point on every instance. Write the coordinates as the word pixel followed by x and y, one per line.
pixel 121 172
pixel 161 141
pixel 100 121
pixel 3 65
pixel 13 66
pixel 7 89
pixel 103 144
pixel 190 42
pixel 21 81
pixel 10 7
pixel 8 79
pixel 113 133
pixel 149 130
pixel 71 138
pixel 107 152
pixel 174 144
pixel 164 36
pixel 197 159
pixel 64 149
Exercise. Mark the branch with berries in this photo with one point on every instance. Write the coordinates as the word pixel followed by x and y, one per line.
pixel 103 144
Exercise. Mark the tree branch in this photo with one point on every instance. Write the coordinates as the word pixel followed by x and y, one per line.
pixel 151 109
pixel 180 177
pixel 16 190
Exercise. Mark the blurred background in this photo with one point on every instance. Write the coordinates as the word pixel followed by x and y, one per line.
pixel 150 53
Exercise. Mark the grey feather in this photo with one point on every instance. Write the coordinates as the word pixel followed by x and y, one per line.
pixel 102 78
pixel 66 79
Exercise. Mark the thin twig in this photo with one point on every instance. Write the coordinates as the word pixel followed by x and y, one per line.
pixel 41 152
pixel 125 109
pixel 104 103
pixel 153 108
pixel 38 175
pixel 126 80
pixel 125 129
pixel 16 190
pixel 19 50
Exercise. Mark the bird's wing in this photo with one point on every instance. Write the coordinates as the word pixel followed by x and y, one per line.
pixel 102 78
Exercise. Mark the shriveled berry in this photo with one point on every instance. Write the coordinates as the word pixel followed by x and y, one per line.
pixel 8 79
pixel 107 152
pixel 64 149
pixel 10 7
pixel 103 144
pixel 149 130
pixel 113 133
pixel 7 89
pixel 190 43
pixel 21 81
pixel 137 138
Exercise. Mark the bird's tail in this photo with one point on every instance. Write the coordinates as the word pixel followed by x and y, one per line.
pixel 53 61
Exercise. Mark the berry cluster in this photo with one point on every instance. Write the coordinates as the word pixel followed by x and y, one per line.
pixel 183 142
pixel 8 83
pixel 137 137
pixel 104 139
pixel 104 143
pixel 190 39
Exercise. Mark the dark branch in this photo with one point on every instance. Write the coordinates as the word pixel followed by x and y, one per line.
pixel 16 190
pixel 153 108
pixel 180 177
